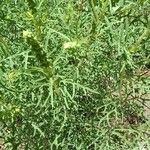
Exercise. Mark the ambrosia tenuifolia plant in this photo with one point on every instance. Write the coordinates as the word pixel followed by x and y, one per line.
pixel 74 74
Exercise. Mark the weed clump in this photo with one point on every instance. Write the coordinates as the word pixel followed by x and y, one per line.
pixel 74 74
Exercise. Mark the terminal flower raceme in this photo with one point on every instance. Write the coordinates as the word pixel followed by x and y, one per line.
pixel 27 33
pixel 71 44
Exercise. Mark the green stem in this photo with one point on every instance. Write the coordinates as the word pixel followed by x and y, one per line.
pixel 39 53
pixel 91 3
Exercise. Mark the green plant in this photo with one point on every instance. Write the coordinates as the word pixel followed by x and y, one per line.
pixel 71 74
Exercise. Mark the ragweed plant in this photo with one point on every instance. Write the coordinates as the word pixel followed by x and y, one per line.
pixel 74 74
